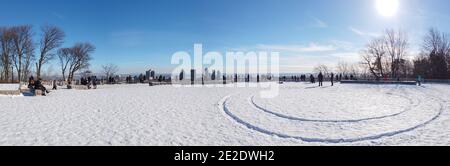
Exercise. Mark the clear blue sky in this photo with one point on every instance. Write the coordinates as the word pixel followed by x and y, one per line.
pixel 141 34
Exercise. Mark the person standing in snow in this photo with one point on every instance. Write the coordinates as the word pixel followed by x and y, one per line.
pixel 320 77
pixel 332 79
pixel 203 81
pixel 94 82
pixel 89 82
pixel 419 80
pixel 224 78
pixel 54 85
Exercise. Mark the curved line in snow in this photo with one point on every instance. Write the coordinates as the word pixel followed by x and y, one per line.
pixel 252 102
pixel 222 106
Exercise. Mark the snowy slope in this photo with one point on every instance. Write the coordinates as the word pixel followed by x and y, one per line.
pixel 164 115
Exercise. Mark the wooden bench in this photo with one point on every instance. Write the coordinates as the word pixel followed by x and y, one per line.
pixel 9 92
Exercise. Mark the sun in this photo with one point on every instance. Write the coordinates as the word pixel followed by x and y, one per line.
pixel 387 8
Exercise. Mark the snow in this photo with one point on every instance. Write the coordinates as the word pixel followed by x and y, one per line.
pixel 9 86
pixel 302 114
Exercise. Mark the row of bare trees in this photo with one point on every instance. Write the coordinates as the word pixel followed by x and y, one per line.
pixel 17 52
pixel 342 68
pixel 74 59
pixel 110 70
pixel 385 56
pixel 434 60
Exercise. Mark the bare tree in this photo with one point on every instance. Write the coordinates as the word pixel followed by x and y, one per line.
pixel 6 52
pixel 396 43
pixel 23 50
pixel 29 58
pixel 343 68
pixel 110 70
pixel 374 57
pixel 322 68
pixel 356 69
pixel 52 38
pixel 386 55
pixel 81 55
pixel 65 57
pixel 434 62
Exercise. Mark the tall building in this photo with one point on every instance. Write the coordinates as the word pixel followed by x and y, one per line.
pixel 206 73
pixel 150 74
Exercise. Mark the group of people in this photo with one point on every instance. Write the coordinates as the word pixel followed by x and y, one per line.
pixel 320 78
pixel 312 79
pixel 37 85
pixel 92 80
pixel 135 79
pixel 111 80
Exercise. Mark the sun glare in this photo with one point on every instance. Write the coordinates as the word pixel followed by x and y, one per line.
pixel 387 8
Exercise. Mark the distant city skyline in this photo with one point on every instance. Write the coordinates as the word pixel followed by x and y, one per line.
pixel 138 35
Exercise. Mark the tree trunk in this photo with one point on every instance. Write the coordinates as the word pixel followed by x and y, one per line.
pixel 19 71
pixel 38 71
pixel 63 76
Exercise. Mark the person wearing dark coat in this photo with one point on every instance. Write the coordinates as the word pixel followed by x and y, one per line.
pixel 203 82
pixel 332 79
pixel 31 82
pixel 312 79
pixel 38 85
pixel 94 82
pixel 224 79
pixel 82 81
pixel 320 77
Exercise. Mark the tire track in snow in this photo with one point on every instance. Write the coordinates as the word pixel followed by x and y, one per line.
pixel 260 108
pixel 222 106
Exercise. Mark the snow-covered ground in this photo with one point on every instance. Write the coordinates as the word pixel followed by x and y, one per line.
pixel 9 86
pixel 302 114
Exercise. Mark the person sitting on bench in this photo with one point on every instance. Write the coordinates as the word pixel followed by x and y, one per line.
pixel 38 85
pixel 31 82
